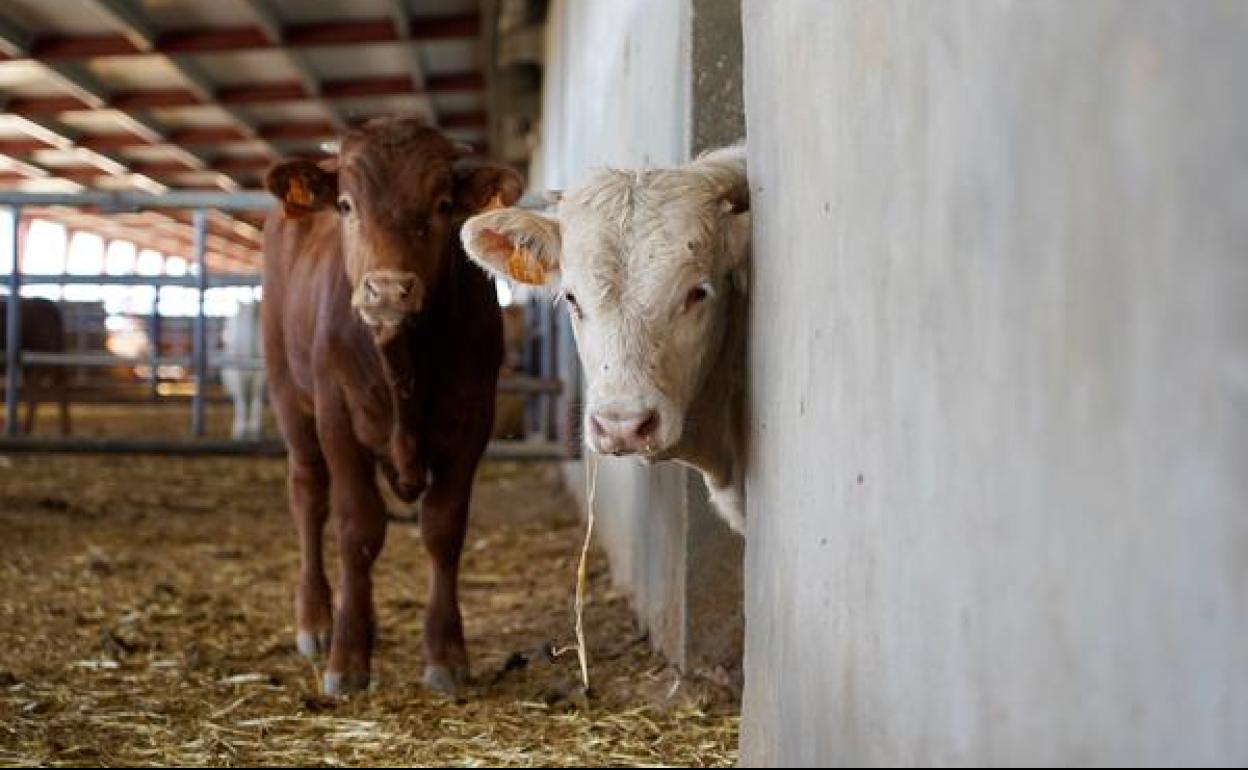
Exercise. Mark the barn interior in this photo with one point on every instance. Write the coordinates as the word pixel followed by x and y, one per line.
pixel 146 588
pixel 993 391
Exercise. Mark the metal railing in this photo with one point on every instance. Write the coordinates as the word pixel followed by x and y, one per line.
pixel 545 388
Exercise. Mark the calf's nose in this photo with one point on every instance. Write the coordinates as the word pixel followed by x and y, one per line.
pixel 619 432
pixel 390 289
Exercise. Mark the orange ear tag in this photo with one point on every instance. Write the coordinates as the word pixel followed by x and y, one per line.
pixel 521 266
pixel 494 203
pixel 298 192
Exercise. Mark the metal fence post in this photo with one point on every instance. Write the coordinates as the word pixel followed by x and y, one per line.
pixel 200 336
pixel 550 370
pixel 153 335
pixel 13 341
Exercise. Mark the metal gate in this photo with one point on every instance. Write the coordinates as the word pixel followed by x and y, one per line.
pixel 540 386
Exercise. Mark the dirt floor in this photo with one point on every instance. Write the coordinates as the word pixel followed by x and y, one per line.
pixel 146 619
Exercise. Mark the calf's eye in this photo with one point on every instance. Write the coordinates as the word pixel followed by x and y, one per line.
pixel 574 307
pixel 344 205
pixel 698 294
pixel 444 206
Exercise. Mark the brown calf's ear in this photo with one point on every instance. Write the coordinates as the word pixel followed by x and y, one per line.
pixel 484 187
pixel 302 186
pixel 518 245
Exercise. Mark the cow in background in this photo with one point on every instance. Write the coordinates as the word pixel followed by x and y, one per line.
pixel 382 346
pixel 43 331
pixel 652 266
pixel 241 339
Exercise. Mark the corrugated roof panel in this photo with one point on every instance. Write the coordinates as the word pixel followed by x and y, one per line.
pixel 465 101
pixel 233 70
pixel 374 60
pixel 202 116
pixel 284 112
pixel 247 67
pixel 296 11
pixel 238 149
pixel 149 153
pixel 45 185
pixel 374 106
pixel 11 129
pixel 27 78
pixel 440 7
pixel 184 14
pixel 57 18
pixel 442 56
pixel 53 158
pixel 193 178
pixel 94 121
pixel 136 73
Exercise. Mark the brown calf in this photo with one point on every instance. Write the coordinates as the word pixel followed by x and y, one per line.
pixel 382 345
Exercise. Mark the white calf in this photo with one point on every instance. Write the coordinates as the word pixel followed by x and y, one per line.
pixel 242 340
pixel 652 266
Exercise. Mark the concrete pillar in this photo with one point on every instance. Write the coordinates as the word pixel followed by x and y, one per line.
pixel 998 485
pixel 652 82
pixel 713 554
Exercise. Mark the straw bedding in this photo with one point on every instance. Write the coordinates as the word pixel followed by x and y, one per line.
pixel 146 619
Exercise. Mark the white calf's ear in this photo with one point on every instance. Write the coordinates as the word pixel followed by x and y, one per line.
pixel 518 245
pixel 725 170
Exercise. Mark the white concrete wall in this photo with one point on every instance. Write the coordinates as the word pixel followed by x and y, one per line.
pixel 616 94
pixel 998 496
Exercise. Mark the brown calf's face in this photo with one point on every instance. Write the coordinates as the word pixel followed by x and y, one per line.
pixel 400 193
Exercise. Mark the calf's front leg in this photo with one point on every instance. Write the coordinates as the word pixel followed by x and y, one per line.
pixel 307 487
pixel 443 522
pixel 361 521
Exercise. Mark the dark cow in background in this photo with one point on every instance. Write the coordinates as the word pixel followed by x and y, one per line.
pixel 43 331
pixel 382 346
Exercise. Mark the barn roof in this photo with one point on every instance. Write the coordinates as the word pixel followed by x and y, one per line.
pixel 158 95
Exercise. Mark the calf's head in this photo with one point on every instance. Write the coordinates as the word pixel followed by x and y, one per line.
pixel 647 263
pixel 399 190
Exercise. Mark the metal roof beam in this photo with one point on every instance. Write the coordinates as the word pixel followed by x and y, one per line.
pixel 342 32
pixel 14 41
pixel 265 93
pixel 143 133
pixel 402 18
pixel 135 25
pixel 141 126
pixel 79 81
pixel 197 79
pixel 24 168
pixel 127 200
pixel 270 23
pixel 267 19
pixel 130 21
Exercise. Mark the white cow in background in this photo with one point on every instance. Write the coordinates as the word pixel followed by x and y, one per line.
pixel 241 339
pixel 652 265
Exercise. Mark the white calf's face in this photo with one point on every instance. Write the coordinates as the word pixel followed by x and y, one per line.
pixel 646 304
pixel 646 264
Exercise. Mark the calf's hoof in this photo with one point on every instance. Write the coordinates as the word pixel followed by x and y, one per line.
pixel 447 680
pixel 313 645
pixel 336 684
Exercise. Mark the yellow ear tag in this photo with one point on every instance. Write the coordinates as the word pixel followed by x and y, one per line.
pixel 521 266
pixel 494 203
pixel 298 193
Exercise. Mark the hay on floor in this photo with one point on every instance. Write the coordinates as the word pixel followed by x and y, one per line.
pixel 146 618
